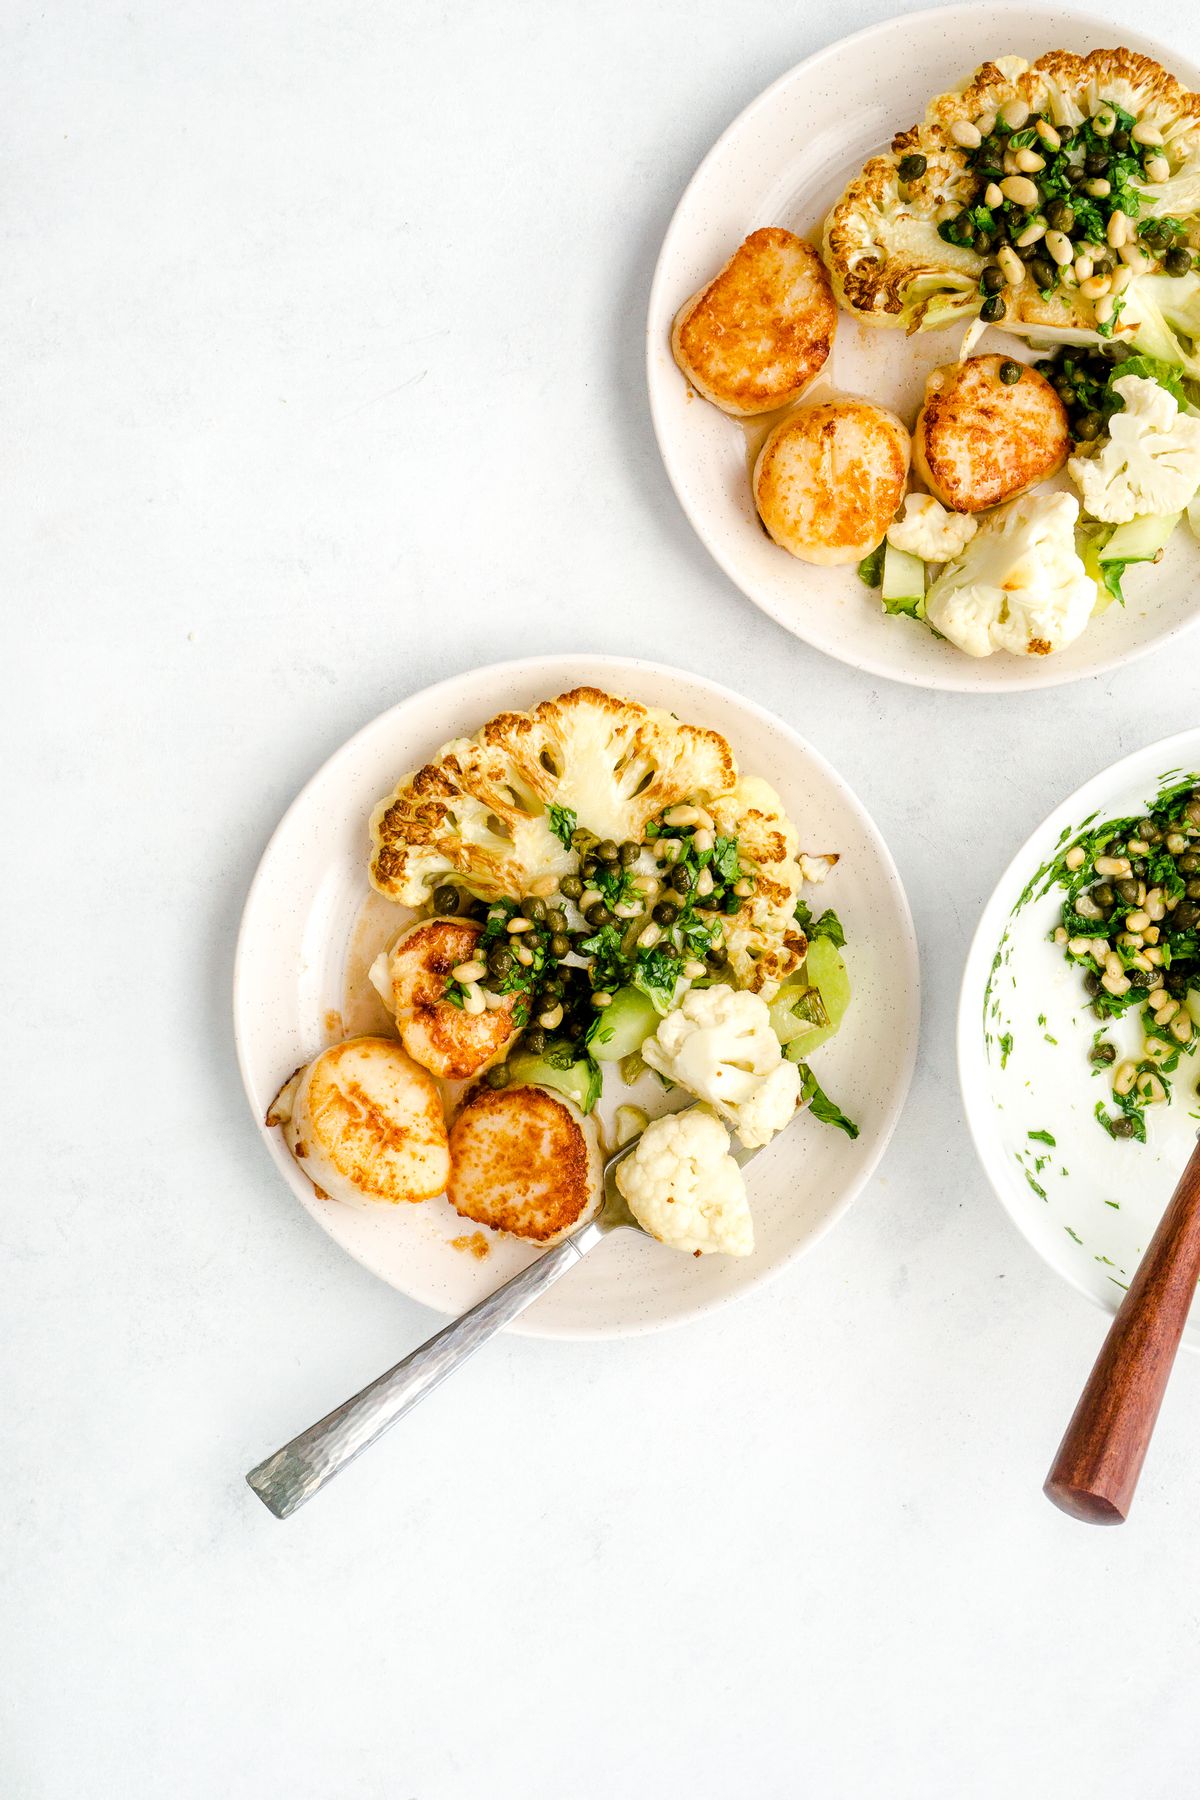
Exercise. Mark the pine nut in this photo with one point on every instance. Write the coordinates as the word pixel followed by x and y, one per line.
pixel 1048 134
pixel 1181 1027
pixel 1124 1078
pixel 1011 264
pixel 492 1001
pixel 1129 940
pixel 1117 232
pixel 1113 965
pixel 1139 962
pixel 966 135
pixel 601 999
pixel 588 899
pixel 1154 904
pixel 647 884
pixel 1029 162
pixel 1165 1010
pixel 1014 113
pixel 469 971
pixel 1009 161
pixel 1099 189
pixel 1119 280
pixel 1083 266
pixel 1116 985
pixel 1059 246
pixel 1134 257
pixel 1060 934
pixel 473 1000
pixel 524 955
pixel 1176 842
pixel 704 883
pixel 688 815
pixel 1149 1088
pixel 704 839
pixel 650 936
pixel 992 195
pixel 628 909
pixel 671 849
pixel 1075 858
pixel 1106 307
pixel 986 123
pixel 552 1017
pixel 516 926
pixel 1155 1051
pixel 1112 865
pixel 544 886
pixel 1158 168
pixel 1032 234
pixel 1136 847
pixel 1020 190
pixel 743 889
pixel 1104 122
pixel 693 969
pixel 1080 946
pixel 1144 133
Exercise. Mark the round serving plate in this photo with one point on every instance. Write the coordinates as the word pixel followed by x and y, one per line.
pixel 1088 1203
pixel 784 161
pixel 311 925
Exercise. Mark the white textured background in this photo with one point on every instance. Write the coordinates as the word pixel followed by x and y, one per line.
pixel 320 344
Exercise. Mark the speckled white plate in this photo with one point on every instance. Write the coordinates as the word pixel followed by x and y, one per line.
pixel 784 161
pixel 311 923
pixel 1087 1203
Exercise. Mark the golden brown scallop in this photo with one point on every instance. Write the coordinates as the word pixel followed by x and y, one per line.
pixel 412 978
pixel 753 339
pixel 365 1124
pixel 978 442
pixel 828 480
pixel 525 1161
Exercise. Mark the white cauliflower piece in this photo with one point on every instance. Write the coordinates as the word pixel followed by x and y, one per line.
pixel 929 530
pixel 682 1185
pixel 1151 462
pixel 770 1107
pixel 1019 585
pixel 718 1043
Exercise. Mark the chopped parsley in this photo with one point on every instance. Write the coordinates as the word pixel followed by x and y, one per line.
pixel 1041 1137
pixel 827 926
pixel 821 1106
pixel 1006 1045
pixel 562 822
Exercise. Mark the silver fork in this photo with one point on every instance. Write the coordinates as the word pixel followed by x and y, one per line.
pixel 301 1468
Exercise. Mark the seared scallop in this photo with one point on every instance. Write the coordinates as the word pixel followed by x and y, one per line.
pixel 412 978
pixel 525 1161
pixel 754 338
pixel 828 480
pixel 979 441
pixel 365 1124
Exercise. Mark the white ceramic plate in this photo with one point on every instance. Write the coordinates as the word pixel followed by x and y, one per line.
pixel 311 924
pixel 1088 1204
pixel 784 161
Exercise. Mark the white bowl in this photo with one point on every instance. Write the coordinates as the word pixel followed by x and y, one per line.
pixel 310 921
pixel 1100 1199
pixel 783 162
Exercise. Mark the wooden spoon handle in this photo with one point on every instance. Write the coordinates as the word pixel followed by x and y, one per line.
pixel 1094 1475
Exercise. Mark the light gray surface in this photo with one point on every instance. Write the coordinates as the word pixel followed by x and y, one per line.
pixel 321 331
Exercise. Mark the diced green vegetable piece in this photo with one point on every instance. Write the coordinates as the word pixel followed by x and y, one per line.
pixel 579 1080
pixel 797 1025
pixel 623 1026
pixel 1140 540
pixel 870 569
pixel 903 588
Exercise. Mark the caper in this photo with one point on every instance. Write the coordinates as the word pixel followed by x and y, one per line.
pixel 445 899
pixel 717 957
pixel 556 919
pixel 1102 264
pixel 534 909
pixel 1065 391
pixel 1060 215
pixel 498 1075
pixel 629 854
pixel 992 279
pixel 575 1030
pixel 551 990
pixel 1146 829
pixel 985 243
pixel 1188 863
pixel 681 878
pixel 598 915
pixel 571 887
pixel 1186 916
pixel 1044 272
pixel 1104 896
pixel 560 945
pixel 501 960
pixel 964 224
pixel 1175 981
pixel 588 867
pixel 912 166
pixel 1123 1127
pixel 607 851
pixel 1091 982
pixel 1191 811
pixel 666 912
pixel 1177 261
pixel 1192 890
pixel 1089 426
pixel 731 903
pixel 535 1039
pixel 1120 139
pixel 1127 890
pixel 1120 353
pixel 1009 372
pixel 1095 162
pixel 1066 134
pixel 992 309
pixel 1076 173
pixel 1104 1052
pixel 1027 252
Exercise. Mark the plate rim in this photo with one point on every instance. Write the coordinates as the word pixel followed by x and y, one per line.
pixel 982 948
pixel 1043 675
pixel 545 666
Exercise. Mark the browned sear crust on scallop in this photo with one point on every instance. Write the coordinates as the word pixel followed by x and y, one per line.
pixel 522 1161
pixel 754 338
pixel 979 442
pixel 829 478
pixel 445 1039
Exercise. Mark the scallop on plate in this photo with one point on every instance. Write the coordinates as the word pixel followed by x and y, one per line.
pixel 314 925
pixel 779 168
pixel 1084 1118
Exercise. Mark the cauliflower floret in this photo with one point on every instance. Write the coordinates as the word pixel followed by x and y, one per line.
pixel 926 529
pixel 1019 585
pixel 770 1107
pixel 1151 462
pixel 718 1044
pixel 682 1185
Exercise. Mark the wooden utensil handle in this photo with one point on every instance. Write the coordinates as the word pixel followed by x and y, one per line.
pixel 1094 1475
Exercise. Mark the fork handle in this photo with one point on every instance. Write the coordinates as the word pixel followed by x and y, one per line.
pixel 1096 1470
pixel 300 1469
